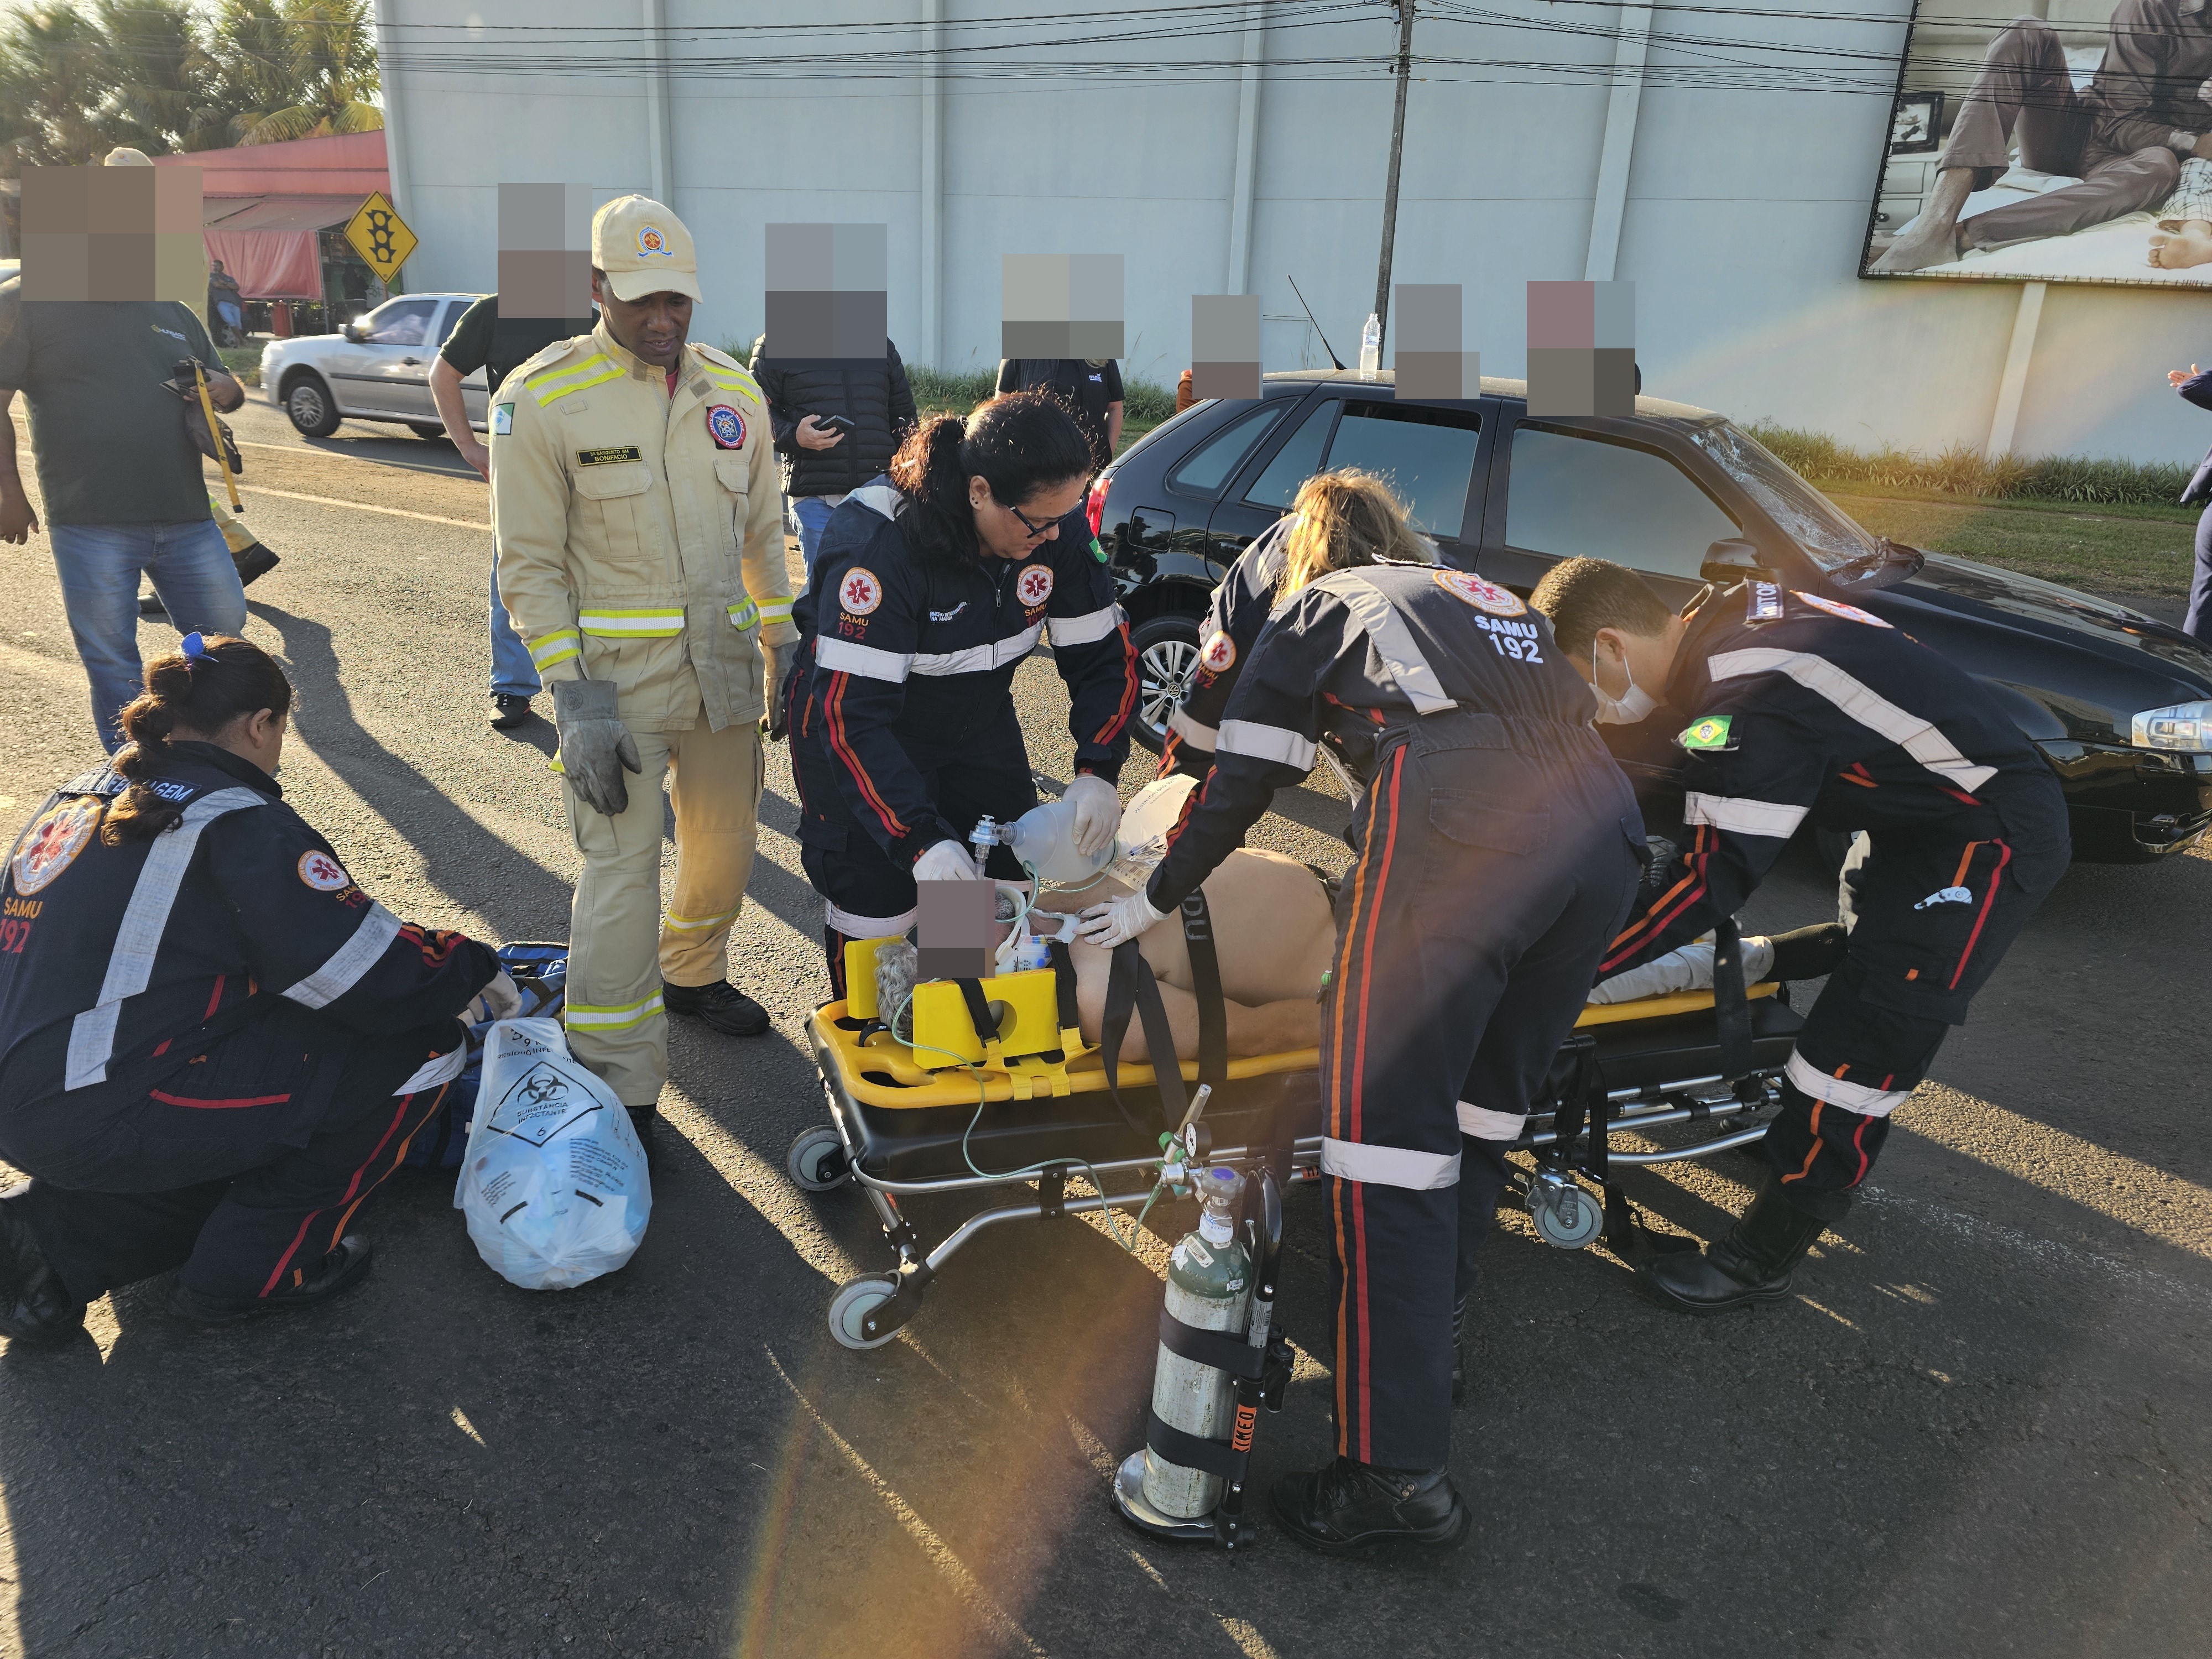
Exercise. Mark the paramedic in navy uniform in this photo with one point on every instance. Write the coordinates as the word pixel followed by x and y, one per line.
pixel 1499 847
pixel 213 1045
pixel 930 587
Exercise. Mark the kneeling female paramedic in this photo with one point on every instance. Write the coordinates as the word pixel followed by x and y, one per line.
pixel 1498 850
pixel 213 1045
pixel 930 587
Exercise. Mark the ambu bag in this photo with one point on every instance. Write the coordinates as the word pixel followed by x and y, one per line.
pixel 553 1183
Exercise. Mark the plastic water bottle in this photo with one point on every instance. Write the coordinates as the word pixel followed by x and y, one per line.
pixel 1370 347
pixel 1043 838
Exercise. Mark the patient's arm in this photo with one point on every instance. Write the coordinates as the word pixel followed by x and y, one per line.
pixel 1272 1027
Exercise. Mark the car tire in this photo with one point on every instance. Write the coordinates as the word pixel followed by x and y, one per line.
pixel 426 432
pixel 1167 655
pixel 310 407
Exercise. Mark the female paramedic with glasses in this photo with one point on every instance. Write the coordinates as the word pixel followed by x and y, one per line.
pixel 1499 848
pixel 930 587
pixel 213 1045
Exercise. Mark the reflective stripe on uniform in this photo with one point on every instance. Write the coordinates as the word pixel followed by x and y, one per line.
pixel 745 614
pixel 1392 639
pixel 439 1068
pixel 1271 743
pixel 1389 1166
pixel 773 611
pixel 1485 1125
pixel 139 941
pixel 690 925
pixel 556 647
pixel 349 961
pixel 844 657
pixel 857 927
pixel 657 623
pixel 1744 816
pixel 1917 737
pixel 1083 629
pixel 1852 1097
pixel 571 377
pixel 1196 734
pixel 979 658
pixel 583 1017
pixel 734 380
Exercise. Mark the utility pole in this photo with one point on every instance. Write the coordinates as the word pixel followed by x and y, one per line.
pixel 1397 150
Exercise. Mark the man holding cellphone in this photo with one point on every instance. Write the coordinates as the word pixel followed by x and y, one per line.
pixel 835 428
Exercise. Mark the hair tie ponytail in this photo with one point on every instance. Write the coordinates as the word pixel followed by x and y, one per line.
pixel 203 687
pixel 1017 444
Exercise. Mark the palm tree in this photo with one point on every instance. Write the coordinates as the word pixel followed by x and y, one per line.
pixel 163 91
pixel 54 84
pixel 297 68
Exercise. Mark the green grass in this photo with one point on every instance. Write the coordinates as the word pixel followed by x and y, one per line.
pixel 1960 471
pixel 2105 551
pixel 244 361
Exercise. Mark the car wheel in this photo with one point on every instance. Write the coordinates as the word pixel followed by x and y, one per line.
pixel 425 431
pixel 308 404
pixel 1167 656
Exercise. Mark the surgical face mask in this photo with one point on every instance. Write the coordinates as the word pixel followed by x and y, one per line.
pixel 1630 706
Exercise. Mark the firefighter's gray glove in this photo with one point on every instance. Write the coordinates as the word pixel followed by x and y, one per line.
pixel 596 747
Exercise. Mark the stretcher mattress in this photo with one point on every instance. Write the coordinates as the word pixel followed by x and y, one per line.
pixel 913 1125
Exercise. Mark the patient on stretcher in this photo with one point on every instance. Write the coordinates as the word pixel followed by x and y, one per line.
pixel 1275 930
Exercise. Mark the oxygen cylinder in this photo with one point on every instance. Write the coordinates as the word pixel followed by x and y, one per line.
pixel 1209 1285
pixel 1043 838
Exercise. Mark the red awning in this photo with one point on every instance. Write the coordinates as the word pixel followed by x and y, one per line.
pixel 264 202
pixel 232 214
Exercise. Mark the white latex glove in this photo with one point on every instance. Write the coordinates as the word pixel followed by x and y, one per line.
pixel 1097 813
pixel 947 861
pixel 1119 919
pixel 497 1000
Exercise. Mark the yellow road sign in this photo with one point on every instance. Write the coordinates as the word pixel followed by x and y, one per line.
pixel 380 236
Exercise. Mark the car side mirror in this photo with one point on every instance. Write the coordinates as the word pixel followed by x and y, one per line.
pixel 352 331
pixel 1734 560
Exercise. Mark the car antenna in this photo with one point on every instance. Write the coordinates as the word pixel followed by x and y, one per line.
pixel 1325 345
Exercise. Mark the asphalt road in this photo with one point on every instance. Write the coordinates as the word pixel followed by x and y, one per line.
pixel 1980 1430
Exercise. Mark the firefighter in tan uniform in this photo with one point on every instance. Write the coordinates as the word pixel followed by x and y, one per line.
pixel 638 520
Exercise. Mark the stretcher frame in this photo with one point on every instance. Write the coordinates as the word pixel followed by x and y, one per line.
pixel 863 1105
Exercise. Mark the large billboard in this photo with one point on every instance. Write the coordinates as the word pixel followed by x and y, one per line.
pixel 2072 146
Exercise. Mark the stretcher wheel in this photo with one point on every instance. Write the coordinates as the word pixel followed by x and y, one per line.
pixel 817 1160
pixel 855 1300
pixel 1566 1215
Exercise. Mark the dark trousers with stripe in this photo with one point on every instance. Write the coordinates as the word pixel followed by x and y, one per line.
pixel 242 1169
pixel 1488 881
pixel 1932 912
pixel 989 774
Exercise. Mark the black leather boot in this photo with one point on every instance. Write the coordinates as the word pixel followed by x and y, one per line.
pixel 35 1306
pixel 337 1273
pixel 1349 1507
pixel 1751 1264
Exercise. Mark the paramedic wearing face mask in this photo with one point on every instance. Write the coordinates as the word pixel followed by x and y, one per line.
pixel 1794 705
pixel 930 586
pixel 1498 850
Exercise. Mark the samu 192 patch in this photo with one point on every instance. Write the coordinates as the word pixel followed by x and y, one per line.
pixel 502 420
pixel 1709 733
pixel 727 426
pixel 51 845
pixel 612 455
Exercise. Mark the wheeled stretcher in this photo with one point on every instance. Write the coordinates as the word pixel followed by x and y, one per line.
pixel 904 1120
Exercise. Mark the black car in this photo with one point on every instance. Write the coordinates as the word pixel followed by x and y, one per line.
pixel 2119 703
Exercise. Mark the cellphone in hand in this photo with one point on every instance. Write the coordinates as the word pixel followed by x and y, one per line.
pixel 837 422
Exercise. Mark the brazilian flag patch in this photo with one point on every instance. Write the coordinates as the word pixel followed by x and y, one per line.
pixel 1096 551
pixel 1710 733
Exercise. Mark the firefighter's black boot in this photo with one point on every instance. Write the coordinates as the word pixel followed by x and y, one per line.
pixel 1349 1507
pixel 1751 1264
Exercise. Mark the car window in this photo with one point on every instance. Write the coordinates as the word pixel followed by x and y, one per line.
pixel 1815 526
pixel 399 322
pixel 1298 460
pixel 453 310
pixel 1425 456
pixel 1206 470
pixel 1577 496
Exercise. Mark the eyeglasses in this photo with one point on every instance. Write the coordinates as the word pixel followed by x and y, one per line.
pixel 1035 529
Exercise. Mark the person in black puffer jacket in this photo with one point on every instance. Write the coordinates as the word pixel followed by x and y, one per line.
pixel 822 465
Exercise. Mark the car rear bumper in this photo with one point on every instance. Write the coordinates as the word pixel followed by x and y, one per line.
pixel 2130 806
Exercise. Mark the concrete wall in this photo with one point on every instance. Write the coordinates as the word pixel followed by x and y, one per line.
pixel 1744 216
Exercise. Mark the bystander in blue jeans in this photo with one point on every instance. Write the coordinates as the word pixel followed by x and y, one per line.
pixel 512 673
pixel 812 513
pixel 100 564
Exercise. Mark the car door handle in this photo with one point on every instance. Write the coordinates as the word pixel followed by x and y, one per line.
pixel 412 362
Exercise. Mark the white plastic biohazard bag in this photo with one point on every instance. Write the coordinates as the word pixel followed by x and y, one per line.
pixel 553 1184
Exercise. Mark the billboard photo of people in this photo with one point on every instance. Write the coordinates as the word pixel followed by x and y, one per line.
pixel 2071 146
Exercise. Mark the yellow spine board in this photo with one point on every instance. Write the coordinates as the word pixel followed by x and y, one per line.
pixel 1029 1025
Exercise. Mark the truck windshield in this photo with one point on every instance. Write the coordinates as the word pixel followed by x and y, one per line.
pixel 1804 515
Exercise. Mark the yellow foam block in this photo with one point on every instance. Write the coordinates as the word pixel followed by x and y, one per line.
pixel 1029 1023
pixel 860 976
